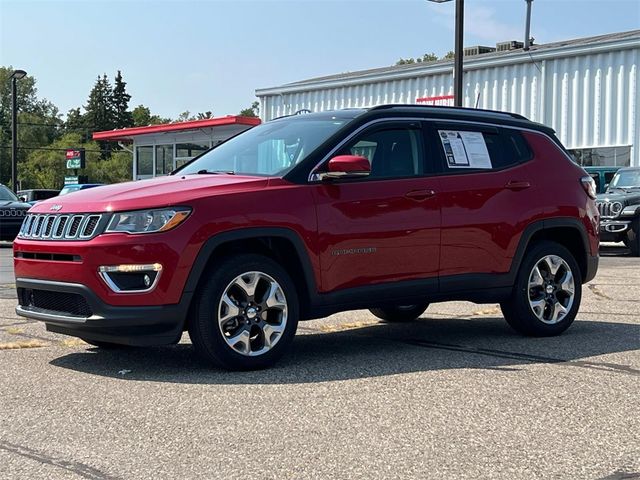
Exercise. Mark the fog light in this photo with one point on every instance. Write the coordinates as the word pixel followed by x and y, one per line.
pixel 131 278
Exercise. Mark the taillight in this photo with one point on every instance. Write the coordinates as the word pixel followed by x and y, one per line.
pixel 589 186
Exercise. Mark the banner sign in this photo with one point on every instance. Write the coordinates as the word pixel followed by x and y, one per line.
pixel 75 158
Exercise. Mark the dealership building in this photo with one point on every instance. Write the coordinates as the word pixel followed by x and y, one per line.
pixel 586 89
pixel 159 149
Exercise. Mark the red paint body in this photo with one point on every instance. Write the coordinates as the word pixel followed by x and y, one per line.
pixel 354 234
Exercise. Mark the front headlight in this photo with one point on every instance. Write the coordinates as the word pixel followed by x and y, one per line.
pixel 148 221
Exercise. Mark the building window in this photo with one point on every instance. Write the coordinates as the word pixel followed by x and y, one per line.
pixel 144 161
pixel 191 150
pixel 602 157
pixel 164 159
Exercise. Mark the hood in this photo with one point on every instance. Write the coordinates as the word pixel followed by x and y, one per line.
pixel 13 204
pixel 631 198
pixel 156 192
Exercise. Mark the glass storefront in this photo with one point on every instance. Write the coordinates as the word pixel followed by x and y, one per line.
pixel 144 161
pixel 191 150
pixel 164 159
pixel 603 156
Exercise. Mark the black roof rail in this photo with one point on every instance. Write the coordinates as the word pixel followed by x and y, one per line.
pixel 443 107
pixel 297 112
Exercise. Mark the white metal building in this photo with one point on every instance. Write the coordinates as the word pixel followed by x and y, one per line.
pixel 586 89
pixel 160 149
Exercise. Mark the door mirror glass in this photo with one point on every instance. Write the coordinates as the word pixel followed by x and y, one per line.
pixel 347 166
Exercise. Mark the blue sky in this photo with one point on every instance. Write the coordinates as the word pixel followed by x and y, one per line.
pixel 212 55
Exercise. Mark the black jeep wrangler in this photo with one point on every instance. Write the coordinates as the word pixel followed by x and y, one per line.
pixel 619 210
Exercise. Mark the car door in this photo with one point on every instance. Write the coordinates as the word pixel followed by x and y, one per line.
pixel 384 227
pixel 487 196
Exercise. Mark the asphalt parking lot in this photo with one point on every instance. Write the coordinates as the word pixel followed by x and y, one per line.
pixel 455 395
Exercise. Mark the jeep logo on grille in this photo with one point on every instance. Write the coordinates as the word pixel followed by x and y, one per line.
pixel 56 208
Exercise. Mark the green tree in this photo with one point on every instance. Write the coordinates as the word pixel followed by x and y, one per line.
pixel 101 113
pixel 142 117
pixel 38 121
pixel 427 57
pixel 450 55
pixel 46 168
pixel 185 117
pixel 252 111
pixel 117 168
pixel 123 118
pixel 76 123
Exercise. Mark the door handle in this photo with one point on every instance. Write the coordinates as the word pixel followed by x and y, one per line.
pixel 420 195
pixel 517 185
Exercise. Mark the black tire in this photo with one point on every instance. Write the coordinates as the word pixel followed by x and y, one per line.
pixel 206 333
pixel 400 313
pixel 519 313
pixel 633 238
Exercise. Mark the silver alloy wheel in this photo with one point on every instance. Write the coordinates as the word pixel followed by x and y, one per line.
pixel 551 289
pixel 252 313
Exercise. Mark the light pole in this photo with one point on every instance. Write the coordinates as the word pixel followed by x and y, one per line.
pixel 457 62
pixel 527 27
pixel 15 76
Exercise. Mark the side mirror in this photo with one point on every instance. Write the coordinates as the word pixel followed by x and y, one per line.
pixel 23 198
pixel 347 166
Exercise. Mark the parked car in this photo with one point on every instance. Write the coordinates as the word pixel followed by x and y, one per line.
pixel 602 176
pixel 37 194
pixel 12 213
pixel 619 210
pixel 389 208
pixel 76 187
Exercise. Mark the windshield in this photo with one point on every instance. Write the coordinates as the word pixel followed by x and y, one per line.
pixel 66 190
pixel 626 179
pixel 7 195
pixel 269 149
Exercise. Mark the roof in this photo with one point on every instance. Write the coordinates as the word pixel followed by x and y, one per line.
pixel 129 133
pixel 425 67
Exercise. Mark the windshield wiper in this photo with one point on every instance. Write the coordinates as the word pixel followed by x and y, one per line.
pixel 215 172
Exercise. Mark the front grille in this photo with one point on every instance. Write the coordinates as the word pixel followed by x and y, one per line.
pixel 60 226
pixel 609 209
pixel 13 212
pixel 64 303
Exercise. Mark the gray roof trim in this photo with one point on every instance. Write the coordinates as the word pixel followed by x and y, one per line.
pixel 581 46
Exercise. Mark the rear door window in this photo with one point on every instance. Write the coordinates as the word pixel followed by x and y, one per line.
pixel 466 148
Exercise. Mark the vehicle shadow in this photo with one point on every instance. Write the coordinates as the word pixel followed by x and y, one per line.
pixel 377 350
pixel 614 250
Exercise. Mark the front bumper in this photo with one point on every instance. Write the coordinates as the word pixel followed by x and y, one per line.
pixel 9 227
pixel 614 230
pixel 74 309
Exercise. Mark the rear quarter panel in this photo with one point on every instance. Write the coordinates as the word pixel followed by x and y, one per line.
pixel 559 180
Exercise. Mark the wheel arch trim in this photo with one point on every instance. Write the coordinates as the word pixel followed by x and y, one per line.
pixel 549 224
pixel 257 233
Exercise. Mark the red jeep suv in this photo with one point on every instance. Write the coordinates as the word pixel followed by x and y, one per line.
pixel 389 208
